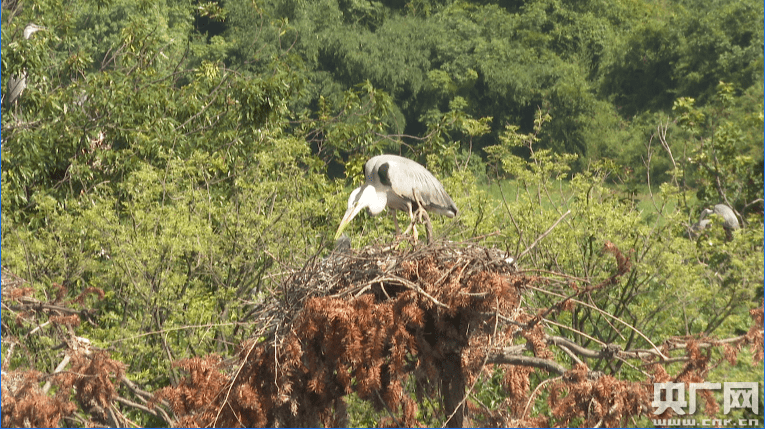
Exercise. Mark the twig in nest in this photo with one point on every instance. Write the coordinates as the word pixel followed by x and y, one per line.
pixel 415 287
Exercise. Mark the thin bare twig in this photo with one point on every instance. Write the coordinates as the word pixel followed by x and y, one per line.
pixel 528 249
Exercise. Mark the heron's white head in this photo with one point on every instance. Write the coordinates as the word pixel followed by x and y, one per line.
pixel 365 196
pixel 31 29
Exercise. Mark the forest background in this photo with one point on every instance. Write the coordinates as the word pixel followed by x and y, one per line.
pixel 170 161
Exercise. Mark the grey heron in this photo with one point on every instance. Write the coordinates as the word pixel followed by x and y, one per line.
pixel 400 184
pixel 730 222
pixel 17 84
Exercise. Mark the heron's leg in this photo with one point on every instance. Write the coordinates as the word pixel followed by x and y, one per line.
pixel 411 226
pixel 428 227
pixel 411 223
pixel 421 212
pixel 395 222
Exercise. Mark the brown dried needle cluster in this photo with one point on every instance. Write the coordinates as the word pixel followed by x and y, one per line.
pixel 368 322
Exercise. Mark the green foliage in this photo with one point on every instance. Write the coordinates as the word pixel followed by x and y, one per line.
pixel 507 61
pixel 673 51
pixel 171 187
pixel 355 126
pixel 183 169
pixel 710 279
pixel 545 163
pixel 725 162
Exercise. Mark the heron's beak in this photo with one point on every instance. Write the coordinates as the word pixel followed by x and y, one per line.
pixel 349 215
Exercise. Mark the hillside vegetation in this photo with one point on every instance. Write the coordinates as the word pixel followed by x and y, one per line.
pixel 171 167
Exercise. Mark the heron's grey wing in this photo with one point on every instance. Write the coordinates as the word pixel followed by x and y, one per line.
pixel 731 221
pixel 16 85
pixel 406 175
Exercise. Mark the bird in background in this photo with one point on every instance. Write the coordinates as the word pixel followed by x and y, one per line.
pixel 400 184
pixel 18 83
pixel 730 221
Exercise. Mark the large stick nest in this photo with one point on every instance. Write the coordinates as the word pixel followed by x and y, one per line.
pixel 367 321
pixel 444 273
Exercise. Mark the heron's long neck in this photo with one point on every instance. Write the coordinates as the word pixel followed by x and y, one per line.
pixel 376 200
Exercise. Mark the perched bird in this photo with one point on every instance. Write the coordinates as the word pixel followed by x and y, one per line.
pixel 30 29
pixel 17 84
pixel 730 222
pixel 400 184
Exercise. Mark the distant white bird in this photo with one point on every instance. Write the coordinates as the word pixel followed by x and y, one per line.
pixel 30 29
pixel 730 221
pixel 17 84
pixel 400 184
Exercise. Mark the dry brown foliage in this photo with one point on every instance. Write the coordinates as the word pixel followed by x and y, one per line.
pixel 94 378
pixel 379 324
pixel 25 404
pixel 597 400
pixel 365 322
pixel 372 321
pixel 91 380
pixel 755 335
pixel 196 391
pixel 698 361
